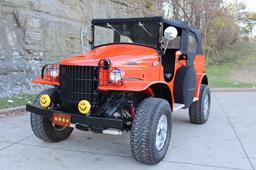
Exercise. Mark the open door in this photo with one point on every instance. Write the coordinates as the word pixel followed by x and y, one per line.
pixel 185 79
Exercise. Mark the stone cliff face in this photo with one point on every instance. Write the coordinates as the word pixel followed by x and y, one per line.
pixel 35 32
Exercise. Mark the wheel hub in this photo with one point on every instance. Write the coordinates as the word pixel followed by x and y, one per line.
pixel 161 132
pixel 206 105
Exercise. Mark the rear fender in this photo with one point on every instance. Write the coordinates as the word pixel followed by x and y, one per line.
pixel 201 78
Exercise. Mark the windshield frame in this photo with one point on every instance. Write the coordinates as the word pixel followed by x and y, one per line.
pixel 158 45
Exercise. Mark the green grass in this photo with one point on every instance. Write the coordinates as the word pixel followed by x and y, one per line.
pixel 19 100
pixel 220 75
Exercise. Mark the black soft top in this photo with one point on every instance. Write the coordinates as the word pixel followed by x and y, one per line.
pixel 157 19
pixel 181 25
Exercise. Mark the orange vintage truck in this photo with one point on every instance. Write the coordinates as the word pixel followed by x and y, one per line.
pixel 137 72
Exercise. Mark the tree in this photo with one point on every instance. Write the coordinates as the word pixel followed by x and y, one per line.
pixel 250 22
pixel 216 21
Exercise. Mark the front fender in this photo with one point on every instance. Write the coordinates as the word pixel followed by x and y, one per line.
pixel 39 80
pixel 136 85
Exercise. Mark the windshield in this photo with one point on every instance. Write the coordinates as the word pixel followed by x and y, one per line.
pixel 134 33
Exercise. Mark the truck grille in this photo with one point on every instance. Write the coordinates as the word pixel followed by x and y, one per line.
pixel 78 83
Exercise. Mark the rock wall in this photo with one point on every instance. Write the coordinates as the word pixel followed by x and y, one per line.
pixel 35 32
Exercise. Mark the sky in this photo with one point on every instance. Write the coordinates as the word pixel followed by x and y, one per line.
pixel 251 4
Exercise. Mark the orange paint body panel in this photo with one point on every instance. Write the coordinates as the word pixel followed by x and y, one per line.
pixel 39 80
pixel 120 55
pixel 200 72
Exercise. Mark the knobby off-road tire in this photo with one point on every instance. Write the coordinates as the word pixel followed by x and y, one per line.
pixel 144 131
pixel 43 127
pixel 199 110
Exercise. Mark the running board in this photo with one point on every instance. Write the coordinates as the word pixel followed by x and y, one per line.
pixel 177 106
pixel 112 131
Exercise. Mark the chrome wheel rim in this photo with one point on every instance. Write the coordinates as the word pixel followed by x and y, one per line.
pixel 161 132
pixel 206 105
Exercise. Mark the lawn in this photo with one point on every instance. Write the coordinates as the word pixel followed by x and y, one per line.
pixel 220 77
pixel 238 72
pixel 18 100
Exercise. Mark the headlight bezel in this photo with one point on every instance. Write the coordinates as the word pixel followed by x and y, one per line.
pixel 116 75
pixel 51 72
pixel 54 71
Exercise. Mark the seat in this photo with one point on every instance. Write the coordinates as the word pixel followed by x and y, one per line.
pixel 168 62
pixel 168 76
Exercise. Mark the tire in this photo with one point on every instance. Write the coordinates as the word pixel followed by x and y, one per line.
pixel 43 127
pixel 199 114
pixel 144 131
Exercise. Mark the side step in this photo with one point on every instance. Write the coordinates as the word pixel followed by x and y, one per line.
pixel 177 106
pixel 112 131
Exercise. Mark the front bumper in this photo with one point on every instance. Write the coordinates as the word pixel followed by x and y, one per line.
pixel 79 119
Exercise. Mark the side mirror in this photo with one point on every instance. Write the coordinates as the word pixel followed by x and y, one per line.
pixel 83 35
pixel 170 33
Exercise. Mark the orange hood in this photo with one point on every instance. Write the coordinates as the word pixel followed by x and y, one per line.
pixel 119 55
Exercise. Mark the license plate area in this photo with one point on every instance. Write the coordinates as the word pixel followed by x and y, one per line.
pixel 61 119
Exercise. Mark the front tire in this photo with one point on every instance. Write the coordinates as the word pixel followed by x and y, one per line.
pixel 199 110
pixel 151 131
pixel 43 127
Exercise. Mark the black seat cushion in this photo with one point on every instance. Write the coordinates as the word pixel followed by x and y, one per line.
pixel 168 62
pixel 167 76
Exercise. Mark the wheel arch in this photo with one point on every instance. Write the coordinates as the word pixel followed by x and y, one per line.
pixel 204 80
pixel 161 90
pixel 201 79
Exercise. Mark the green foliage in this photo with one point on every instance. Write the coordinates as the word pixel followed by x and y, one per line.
pixel 218 22
pixel 19 100
pixel 221 71
pixel 247 21
pixel 251 16
pixel 237 53
pixel 149 4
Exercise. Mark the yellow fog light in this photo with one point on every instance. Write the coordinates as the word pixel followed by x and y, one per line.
pixel 45 100
pixel 84 107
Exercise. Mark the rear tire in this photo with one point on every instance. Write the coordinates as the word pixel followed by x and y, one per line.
pixel 151 131
pixel 43 127
pixel 199 110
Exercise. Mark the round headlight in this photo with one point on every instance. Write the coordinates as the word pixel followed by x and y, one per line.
pixel 54 72
pixel 116 75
